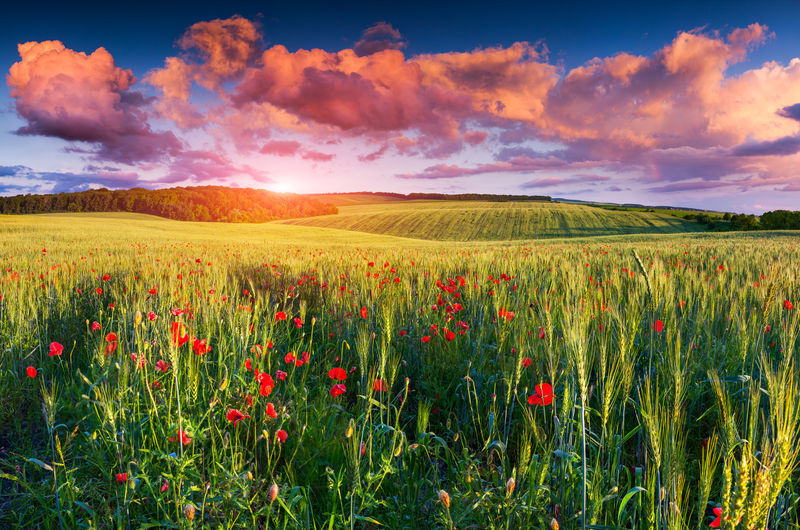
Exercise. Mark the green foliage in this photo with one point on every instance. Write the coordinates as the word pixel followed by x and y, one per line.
pixel 202 203
pixel 655 428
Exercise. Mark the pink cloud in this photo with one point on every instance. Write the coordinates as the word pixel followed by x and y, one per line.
pixel 78 97
pixel 280 148
pixel 316 156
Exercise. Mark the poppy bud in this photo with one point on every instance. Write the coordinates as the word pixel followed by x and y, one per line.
pixel 398 450
pixel 510 483
pixel 351 427
pixel 189 511
pixel 553 524
pixel 444 498
pixel 412 447
pixel 137 319
pixel 273 492
pixel 249 475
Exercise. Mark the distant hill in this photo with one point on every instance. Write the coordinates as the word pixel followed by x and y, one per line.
pixel 486 221
pixel 371 197
pixel 201 203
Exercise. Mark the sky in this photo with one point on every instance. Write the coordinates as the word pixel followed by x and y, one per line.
pixel 669 103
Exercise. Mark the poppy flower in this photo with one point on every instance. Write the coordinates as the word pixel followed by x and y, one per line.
pixel 98 291
pixel 426 339
pixel 281 376
pixel 31 371
pixel 161 366
pixel 151 316
pixel 282 436
pixel 95 326
pixel 403 333
pixel 179 335
pixel 266 384
pixel 298 322
pixel 363 312
pixel 271 411
pixel 185 440
pixel 235 416
pixel 338 390
pixel 122 477
pixel 56 349
pixel 290 358
pixel 658 326
pixel 543 396
pixel 200 347
pixel 337 373
pixel 718 521
pixel 106 277
pixel 280 315
pixel 788 305
pixel 541 333
pixel 111 345
pixel 449 335
pixel 380 385
pixel 526 362
pixel 248 365
pixel 164 486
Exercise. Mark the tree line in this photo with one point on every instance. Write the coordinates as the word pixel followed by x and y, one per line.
pixel 773 220
pixel 198 203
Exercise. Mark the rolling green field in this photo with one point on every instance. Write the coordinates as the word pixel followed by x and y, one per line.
pixel 165 374
pixel 487 221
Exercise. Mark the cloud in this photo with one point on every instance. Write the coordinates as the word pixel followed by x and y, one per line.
pixel 546 182
pixel 19 180
pixel 77 97
pixel 316 156
pixel 520 164
pixel 791 112
pixel 788 145
pixel 377 38
pixel 280 148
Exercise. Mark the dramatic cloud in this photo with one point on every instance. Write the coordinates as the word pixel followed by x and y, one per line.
pixel 671 121
pixel 381 36
pixel 87 98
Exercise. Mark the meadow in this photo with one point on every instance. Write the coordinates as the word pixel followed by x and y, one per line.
pixel 167 374
pixel 492 221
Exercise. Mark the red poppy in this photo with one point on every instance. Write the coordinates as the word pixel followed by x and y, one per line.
pixel 235 416
pixel 179 335
pixel 111 337
pixel 161 366
pixel 526 362
pixel 266 384
pixel 426 339
pixel 363 312
pixel 185 440
pixel 298 322
pixel 151 316
pixel 543 396
pixel 99 291
pixel 56 349
pixel 280 315
pixel 290 358
pixel 337 373
pixel 380 385
pixel 200 347
pixel 95 326
pixel 449 335
pixel 403 333
pixel 658 326
pixel 122 477
pixel 248 365
pixel 541 333
pixel 31 371
pixel 106 277
pixel 788 305
pixel 282 436
pixel 718 521
pixel 280 375
pixel 152 291
pixel 338 390
pixel 165 486
pixel 271 411
pixel 111 347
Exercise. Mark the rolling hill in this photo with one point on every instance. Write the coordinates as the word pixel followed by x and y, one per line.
pixel 487 221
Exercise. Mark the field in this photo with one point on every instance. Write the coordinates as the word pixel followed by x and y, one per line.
pixel 488 221
pixel 157 373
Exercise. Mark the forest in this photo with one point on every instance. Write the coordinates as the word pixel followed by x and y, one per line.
pixel 200 203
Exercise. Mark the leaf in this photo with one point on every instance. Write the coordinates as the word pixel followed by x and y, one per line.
pixel 40 464
pixel 631 492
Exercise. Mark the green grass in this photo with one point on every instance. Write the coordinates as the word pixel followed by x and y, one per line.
pixel 490 221
pixel 672 360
